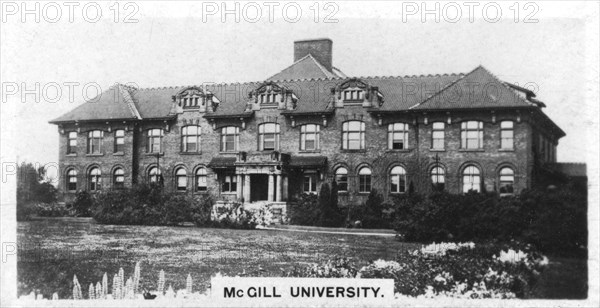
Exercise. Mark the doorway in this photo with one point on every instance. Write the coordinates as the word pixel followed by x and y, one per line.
pixel 259 187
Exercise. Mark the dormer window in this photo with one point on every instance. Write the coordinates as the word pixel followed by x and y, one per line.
pixel 269 98
pixel 191 98
pixel 353 94
pixel 190 102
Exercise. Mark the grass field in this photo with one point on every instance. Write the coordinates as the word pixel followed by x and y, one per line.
pixel 52 250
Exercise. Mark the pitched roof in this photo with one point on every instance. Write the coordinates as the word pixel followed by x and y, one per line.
pixel 222 162
pixel 306 68
pixel 477 89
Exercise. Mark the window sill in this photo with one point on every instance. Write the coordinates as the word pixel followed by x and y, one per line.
pixel 71 155
pixel 506 150
pixel 399 150
pixel 437 150
pixel 397 193
pixel 99 154
pixel 353 151
pixel 118 154
pixel 187 109
pixel 471 150
pixel 228 193
pixel 190 153
pixel 154 154
pixel 309 151
pixel 228 152
pixel 201 193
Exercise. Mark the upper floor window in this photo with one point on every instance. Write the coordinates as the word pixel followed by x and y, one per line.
pixel 268 136
pixel 471 135
pixel 398 136
pixel 398 180
pixel 119 140
pixel 154 175
pixel 95 179
pixel 190 139
pixel 118 178
pixel 201 179
pixel 154 140
pixel 341 177
pixel 229 138
pixel 229 183
pixel 438 178
pixel 309 137
pixel 506 135
pixel 437 136
pixel 191 101
pixel 72 180
pixel 309 183
pixel 270 98
pixel 364 180
pixel 507 180
pixel 181 179
pixel 72 143
pixel 353 135
pixel 471 179
pixel 353 94
pixel 95 141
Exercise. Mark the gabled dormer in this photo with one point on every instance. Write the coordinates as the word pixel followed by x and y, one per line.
pixel 196 98
pixel 355 92
pixel 270 95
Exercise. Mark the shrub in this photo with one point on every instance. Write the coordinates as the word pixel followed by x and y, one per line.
pixel 51 209
pixel 305 211
pixel 25 211
pixel 234 216
pixel 372 213
pixel 82 205
pixel 200 210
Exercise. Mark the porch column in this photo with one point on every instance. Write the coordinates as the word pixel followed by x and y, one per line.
pixel 279 190
pixel 284 193
pixel 246 188
pixel 240 187
pixel 271 188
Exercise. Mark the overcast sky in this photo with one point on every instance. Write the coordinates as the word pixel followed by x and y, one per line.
pixel 170 45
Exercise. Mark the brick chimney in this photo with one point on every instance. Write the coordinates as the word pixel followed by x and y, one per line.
pixel 320 49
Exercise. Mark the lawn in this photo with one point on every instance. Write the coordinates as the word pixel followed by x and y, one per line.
pixel 52 250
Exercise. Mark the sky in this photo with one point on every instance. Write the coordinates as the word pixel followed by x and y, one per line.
pixel 180 43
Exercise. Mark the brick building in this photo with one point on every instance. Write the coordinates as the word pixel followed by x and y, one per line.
pixel 310 124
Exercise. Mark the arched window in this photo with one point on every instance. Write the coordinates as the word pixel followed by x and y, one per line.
pixel 190 139
pixel 507 180
pixel 471 179
pixel 95 141
pixel 72 180
pixel 309 137
pixel 181 179
pixel 201 179
pixel 154 140
pixel 471 134
pixel 341 177
pixel 154 175
pixel 268 136
pixel 353 135
pixel 95 179
pixel 397 136
pixel 398 180
pixel 118 178
pixel 229 138
pixel 438 178
pixel 364 180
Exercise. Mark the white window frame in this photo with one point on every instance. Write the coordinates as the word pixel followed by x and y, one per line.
pixel 467 130
pixel 399 130
pixel 348 130
pixel 312 132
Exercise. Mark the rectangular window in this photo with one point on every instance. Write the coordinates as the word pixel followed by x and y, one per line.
pixel 437 136
pixel 229 184
pixel 309 137
pixel 229 138
pixel 95 141
pixel 119 140
pixel 154 140
pixel 353 135
pixel 398 136
pixel 364 183
pixel 471 135
pixel 506 135
pixel 72 143
pixel 310 183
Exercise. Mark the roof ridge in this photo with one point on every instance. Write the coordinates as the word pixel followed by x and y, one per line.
pixel 320 66
pixel 444 88
pixel 512 90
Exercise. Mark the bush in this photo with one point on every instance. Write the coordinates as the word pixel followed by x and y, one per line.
pixel 200 210
pixel 305 211
pixel 25 211
pixel 82 206
pixel 234 216
pixel 51 210
pixel 372 213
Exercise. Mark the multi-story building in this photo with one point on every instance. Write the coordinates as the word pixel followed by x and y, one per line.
pixel 310 124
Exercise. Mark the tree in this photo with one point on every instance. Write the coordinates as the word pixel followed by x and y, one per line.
pixel 32 187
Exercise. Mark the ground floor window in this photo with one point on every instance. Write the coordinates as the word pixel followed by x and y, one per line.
pixel 398 180
pixel 471 179
pixel 507 180
pixel 72 180
pixel 181 176
pixel 201 179
pixel 154 175
pixel 229 184
pixel 95 179
pixel 310 183
pixel 438 179
pixel 341 177
pixel 118 178
pixel 364 180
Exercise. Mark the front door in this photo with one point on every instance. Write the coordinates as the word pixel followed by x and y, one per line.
pixel 259 187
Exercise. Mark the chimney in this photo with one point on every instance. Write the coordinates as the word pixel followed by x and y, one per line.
pixel 320 49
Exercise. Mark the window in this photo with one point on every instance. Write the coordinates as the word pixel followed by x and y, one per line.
pixel 118 178
pixel 154 175
pixel 507 180
pixel 95 179
pixel 154 140
pixel 72 180
pixel 95 141
pixel 72 143
pixel 341 177
pixel 353 95
pixel 229 184
pixel 471 135
pixel 229 138
pixel 270 98
pixel 268 137
pixel 398 180
pixel 190 139
pixel 506 135
pixel 119 140
pixel 309 137
pixel 310 183
pixel 437 136
pixel 398 136
pixel 364 180
pixel 471 179
pixel 190 101
pixel 353 135
pixel 438 178
pixel 181 179
pixel 201 183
